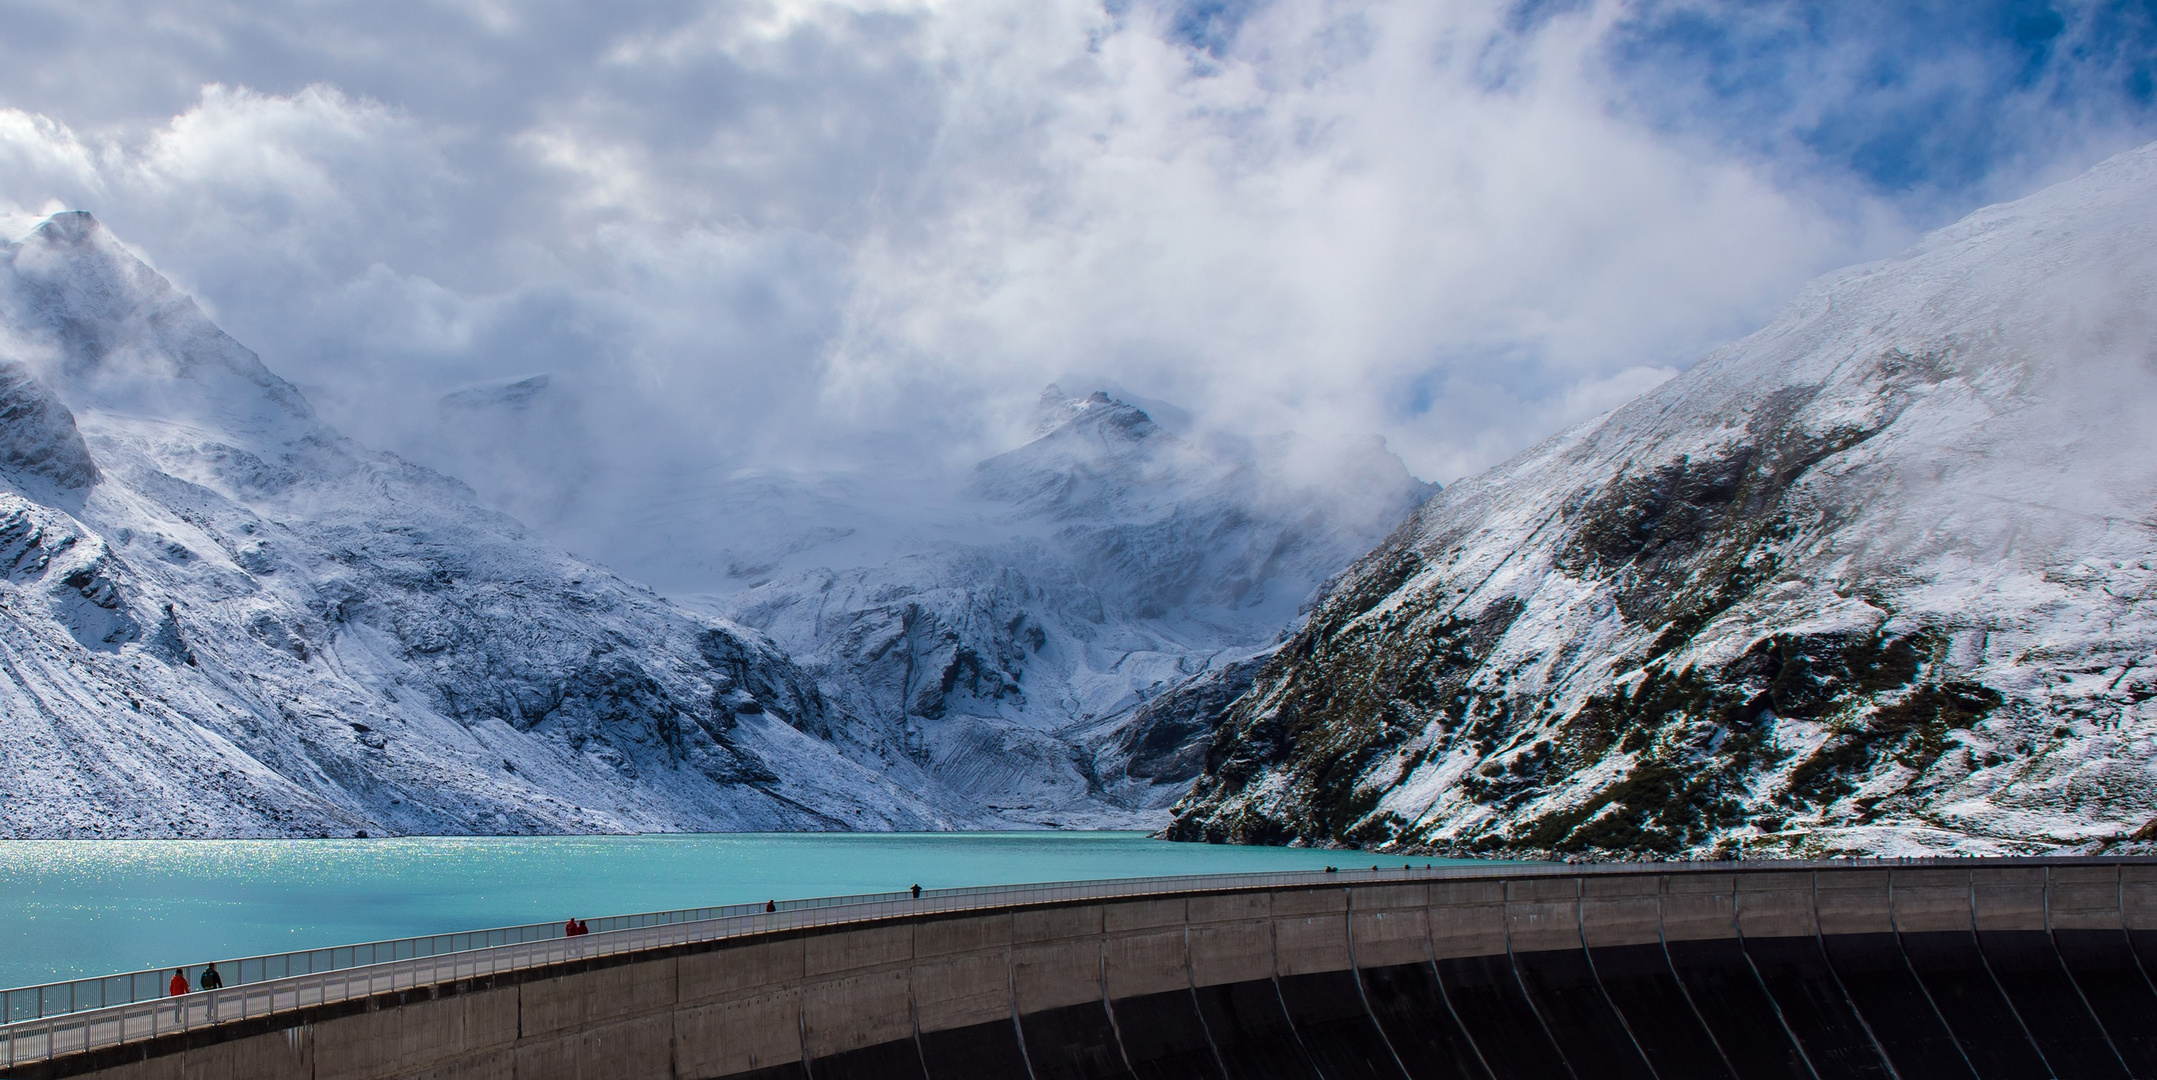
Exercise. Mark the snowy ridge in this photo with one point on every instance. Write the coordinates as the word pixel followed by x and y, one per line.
pixel 218 617
pixel 1873 579
pixel 1117 565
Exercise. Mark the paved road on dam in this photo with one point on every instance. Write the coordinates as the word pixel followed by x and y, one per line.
pixel 1903 970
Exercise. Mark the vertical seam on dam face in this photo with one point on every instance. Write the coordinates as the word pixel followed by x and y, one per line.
pixel 1115 1030
pixel 1468 1033
pixel 1512 964
pixel 2024 1025
pixel 1018 1030
pixel 1903 950
pixel 2081 994
pixel 2134 956
pixel 1273 956
pixel 1430 952
pixel 1927 988
pixel 1190 985
pixel 913 1011
pixel 1580 928
pixel 1355 974
pixel 1820 943
pixel 1662 941
pixel 2127 932
pixel 1737 927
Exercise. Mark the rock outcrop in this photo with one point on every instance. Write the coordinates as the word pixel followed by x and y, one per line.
pixel 1874 579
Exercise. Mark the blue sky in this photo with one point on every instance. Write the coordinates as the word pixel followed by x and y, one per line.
pixel 1918 101
pixel 828 235
pixel 1915 91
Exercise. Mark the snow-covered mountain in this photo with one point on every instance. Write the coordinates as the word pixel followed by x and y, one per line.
pixel 220 617
pixel 1874 579
pixel 1117 573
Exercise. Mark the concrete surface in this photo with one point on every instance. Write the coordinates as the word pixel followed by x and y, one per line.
pixel 788 1000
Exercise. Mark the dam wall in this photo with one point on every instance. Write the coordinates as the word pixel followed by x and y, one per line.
pixel 1895 973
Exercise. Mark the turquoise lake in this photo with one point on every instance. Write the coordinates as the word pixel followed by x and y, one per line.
pixel 76 908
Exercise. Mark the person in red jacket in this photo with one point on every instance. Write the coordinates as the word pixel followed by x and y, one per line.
pixel 569 929
pixel 178 988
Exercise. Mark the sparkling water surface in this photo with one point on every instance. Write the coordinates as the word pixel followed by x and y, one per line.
pixel 76 908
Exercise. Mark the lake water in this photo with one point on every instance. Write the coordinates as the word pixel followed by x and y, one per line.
pixel 76 908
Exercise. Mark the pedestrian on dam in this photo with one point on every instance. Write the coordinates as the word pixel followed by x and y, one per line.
pixel 917 892
pixel 211 980
pixel 178 988
pixel 771 905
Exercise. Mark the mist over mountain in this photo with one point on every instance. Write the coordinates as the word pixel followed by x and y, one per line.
pixel 750 304
pixel 990 633
pixel 220 617
pixel 1874 579
pixel 224 618
pixel 1110 564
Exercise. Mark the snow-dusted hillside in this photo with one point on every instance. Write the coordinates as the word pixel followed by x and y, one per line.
pixel 1110 561
pixel 219 617
pixel 1874 579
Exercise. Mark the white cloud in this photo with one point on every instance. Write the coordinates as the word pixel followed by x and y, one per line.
pixel 1297 235
pixel 843 233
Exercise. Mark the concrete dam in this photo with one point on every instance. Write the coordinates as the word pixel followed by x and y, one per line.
pixel 1990 969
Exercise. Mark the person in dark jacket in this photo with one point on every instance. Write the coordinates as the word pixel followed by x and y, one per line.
pixel 771 905
pixel 917 892
pixel 211 980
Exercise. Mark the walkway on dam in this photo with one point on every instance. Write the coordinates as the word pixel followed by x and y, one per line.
pixel 1903 970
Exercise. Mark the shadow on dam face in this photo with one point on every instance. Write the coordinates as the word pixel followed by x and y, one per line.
pixel 2001 970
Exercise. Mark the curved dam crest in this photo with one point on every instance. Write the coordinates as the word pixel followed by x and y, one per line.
pixel 1995 968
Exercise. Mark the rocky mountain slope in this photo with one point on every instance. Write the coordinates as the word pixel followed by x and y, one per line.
pixel 1874 579
pixel 1064 664
pixel 220 617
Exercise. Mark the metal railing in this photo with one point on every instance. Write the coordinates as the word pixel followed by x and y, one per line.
pixel 82 1031
pixel 106 991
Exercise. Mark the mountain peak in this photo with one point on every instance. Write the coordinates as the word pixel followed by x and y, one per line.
pixel 123 337
pixel 220 617
pixel 70 228
pixel 1096 412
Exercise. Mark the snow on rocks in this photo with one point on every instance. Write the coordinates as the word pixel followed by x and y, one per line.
pixel 1065 664
pixel 219 617
pixel 1871 580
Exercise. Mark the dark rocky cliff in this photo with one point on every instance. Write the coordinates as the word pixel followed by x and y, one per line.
pixel 1867 581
